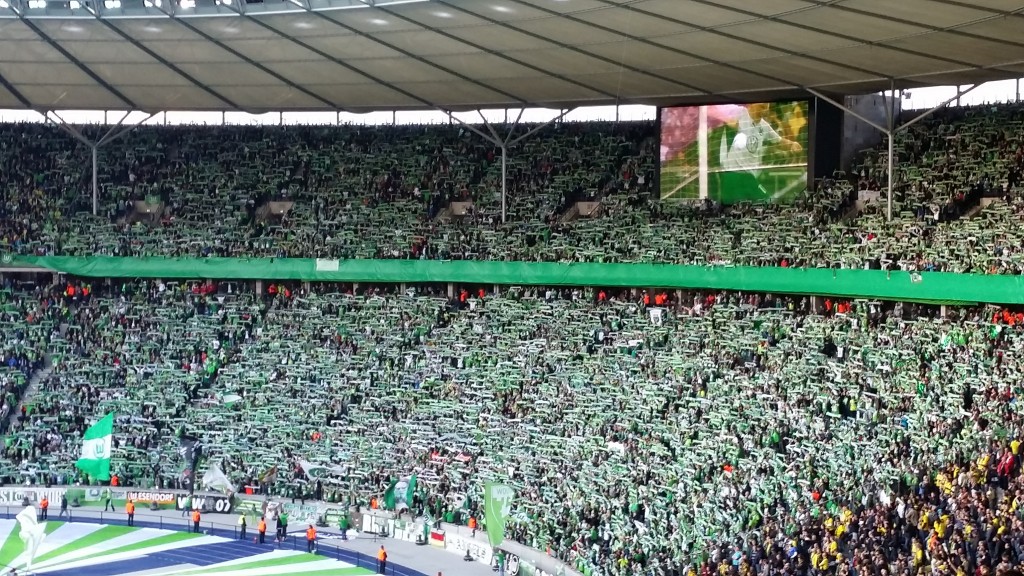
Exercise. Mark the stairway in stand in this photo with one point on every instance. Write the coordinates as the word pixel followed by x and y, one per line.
pixel 30 390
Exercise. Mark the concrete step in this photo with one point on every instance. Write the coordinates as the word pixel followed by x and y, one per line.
pixel 569 215
pixel 852 212
pixel 455 211
pixel 585 209
pixel 31 389
pixel 274 209
pixel 444 215
pixel 981 206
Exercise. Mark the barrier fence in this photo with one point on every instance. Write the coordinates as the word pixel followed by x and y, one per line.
pixel 329 548
pixel 165 508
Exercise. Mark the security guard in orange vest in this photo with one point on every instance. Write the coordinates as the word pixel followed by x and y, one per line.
pixel 44 505
pixel 195 520
pixel 130 509
pixel 262 529
pixel 310 538
pixel 382 560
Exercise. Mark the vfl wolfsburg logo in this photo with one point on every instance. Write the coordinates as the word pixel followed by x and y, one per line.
pixel 100 450
pixel 753 144
pixel 501 501
pixel 8 258
pixel 512 568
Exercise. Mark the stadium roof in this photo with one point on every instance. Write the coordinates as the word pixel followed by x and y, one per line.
pixel 363 55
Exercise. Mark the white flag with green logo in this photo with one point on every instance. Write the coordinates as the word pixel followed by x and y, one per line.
pixel 96 446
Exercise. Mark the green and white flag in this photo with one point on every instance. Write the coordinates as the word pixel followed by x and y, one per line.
pixel 319 471
pixel 96 447
pixel 497 507
pixel 400 493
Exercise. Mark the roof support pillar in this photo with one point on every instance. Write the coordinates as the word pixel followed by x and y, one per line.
pixel 537 128
pixel 514 124
pixel 890 122
pixel 890 137
pixel 888 130
pixel 66 128
pixel 490 128
pixel 893 126
pixel 492 139
pixel 120 129
pixel 116 131
pixel 504 144
pixel 95 180
pixel 504 182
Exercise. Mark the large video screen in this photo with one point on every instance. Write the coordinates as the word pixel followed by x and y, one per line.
pixel 734 152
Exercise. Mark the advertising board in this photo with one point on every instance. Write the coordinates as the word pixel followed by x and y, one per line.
pixel 143 497
pixel 14 496
pixel 478 550
pixel 205 503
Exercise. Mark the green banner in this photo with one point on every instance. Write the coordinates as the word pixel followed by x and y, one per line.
pixel 497 507
pixel 936 287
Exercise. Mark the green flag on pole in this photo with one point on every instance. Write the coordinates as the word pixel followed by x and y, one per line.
pixel 497 507
pixel 389 495
pixel 96 447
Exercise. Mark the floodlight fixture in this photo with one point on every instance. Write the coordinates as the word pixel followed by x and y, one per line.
pixel 187 4
pixel 74 4
pixel 37 4
pixel 4 4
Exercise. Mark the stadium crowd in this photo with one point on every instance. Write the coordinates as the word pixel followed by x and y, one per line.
pixel 27 324
pixel 380 192
pixel 726 430
pixel 722 432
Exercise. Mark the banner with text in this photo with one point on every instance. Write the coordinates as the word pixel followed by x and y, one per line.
pixel 16 496
pixel 478 551
pixel 213 503
pixel 304 513
pixel 142 497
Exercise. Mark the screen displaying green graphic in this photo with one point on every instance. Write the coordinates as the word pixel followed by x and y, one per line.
pixel 734 152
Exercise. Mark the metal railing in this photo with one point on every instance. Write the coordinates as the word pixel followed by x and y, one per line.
pixel 327 545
